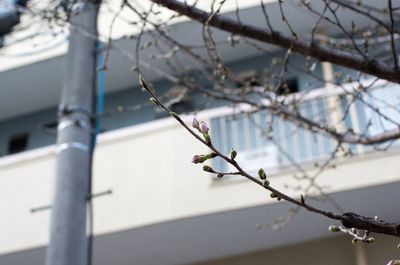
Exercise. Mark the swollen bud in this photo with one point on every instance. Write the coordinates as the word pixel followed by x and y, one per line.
pixel 143 82
pixel 154 101
pixel 204 128
pixel 196 124
pixel 333 228
pixel 371 240
pixel 198 159
pixel 207 138
pixel 261 174
pixel 266 182
pixel 208 169
pixel 233 154
pixel 174 114
pixel 354 241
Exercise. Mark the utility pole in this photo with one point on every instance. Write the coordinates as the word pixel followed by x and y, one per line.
pixel 68 233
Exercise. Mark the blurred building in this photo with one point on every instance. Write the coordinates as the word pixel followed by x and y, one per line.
pixel 165 210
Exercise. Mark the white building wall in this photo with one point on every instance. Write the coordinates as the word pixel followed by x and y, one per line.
pixel 148 169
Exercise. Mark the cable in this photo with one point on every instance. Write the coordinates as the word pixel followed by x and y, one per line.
pixel 99 109
pixel 100 86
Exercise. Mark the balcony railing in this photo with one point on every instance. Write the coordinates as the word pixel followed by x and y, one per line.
pixel 263 140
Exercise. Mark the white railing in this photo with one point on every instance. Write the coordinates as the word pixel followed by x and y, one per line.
pixel 370 113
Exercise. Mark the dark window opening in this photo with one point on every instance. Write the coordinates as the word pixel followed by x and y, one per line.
pixel 18 143
pixel 289 86
pixel 178 107
pixel 182 107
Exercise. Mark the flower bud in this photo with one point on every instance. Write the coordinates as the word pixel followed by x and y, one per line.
pixel 154 101
pixel 195 123
pixel 233 154
pixel 207 138
pixel 198 159
pixel 333 228
pixel 371 240
pixel 266 182
pixel 261 174
pixel 208 169
pixel 174 114
pixel 204 128
pixel 143 83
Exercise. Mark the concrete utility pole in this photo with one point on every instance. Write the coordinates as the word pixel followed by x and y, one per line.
pixel 68 233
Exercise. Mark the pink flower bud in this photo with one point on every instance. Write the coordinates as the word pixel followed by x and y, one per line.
pixel 204 128
pixel 195 123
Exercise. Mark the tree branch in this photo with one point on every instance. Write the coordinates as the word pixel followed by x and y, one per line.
pixel 319 51
pixel 349 219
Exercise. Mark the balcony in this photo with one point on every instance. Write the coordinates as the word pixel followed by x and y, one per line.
pixel 158 196
pixel 264 140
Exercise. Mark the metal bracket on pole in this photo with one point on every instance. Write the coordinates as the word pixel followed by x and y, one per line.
pixel 66 123
pixel 90 197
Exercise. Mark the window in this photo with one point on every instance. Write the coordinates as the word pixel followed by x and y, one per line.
pixel 18 143
pixel 289 86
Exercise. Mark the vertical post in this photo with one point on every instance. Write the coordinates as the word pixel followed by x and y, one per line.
pixel 334 101
pixel 335 109
pixel 360 255
pixel 68 240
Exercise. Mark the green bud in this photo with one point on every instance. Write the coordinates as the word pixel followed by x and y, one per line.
pixel 198 159
pixel 333 228
pixel 371 240
pixel 143 82
pixel 266 182
pixel 154 101
pixel 233 154
pixel 196 124
pixel 207 138
pixel 174 114
pixel 208 169
pixel 261 174
pixel 354 241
